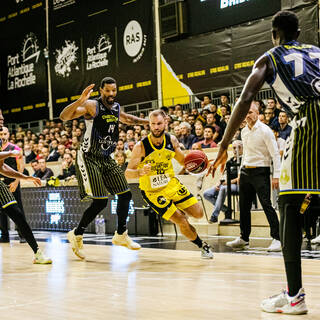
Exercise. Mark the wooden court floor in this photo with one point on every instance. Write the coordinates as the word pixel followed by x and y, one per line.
pixel 115 283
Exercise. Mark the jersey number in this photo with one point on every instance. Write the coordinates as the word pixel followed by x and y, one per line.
pixel 111 128
pixel 297 58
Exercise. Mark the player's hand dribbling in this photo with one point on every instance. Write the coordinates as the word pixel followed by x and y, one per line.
pixel 35 180
pixel 144 170
pixel 221 160
pixel 85 95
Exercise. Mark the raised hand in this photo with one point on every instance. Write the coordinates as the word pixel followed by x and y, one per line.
pixel 85 95
pixel 221 160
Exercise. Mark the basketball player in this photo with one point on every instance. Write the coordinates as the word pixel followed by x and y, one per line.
pixel 14 184
pixel 9 204
pixel 292 71
pixel 98 174
pixel 151 162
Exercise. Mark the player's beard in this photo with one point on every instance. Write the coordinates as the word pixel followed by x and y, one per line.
pixel 110 101
pixel 157 135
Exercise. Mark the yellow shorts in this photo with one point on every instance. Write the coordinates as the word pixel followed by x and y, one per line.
pixel 170 198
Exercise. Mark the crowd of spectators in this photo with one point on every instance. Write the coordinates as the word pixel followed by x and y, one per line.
pixel 196 128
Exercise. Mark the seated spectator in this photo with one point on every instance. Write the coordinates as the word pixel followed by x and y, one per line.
pixel 43 173
pixel 261 117
pixel 35 166
pixel 272 104
pixel 75 142
pixel 199 130
pixel 283 127
pixel 120 158
pixel 208 142
pixel 123 136
pixel 206 103
pixel 44 153
pixel 74 154
pixel 54 154
pixel 269 117
pixel 186 138
pixel 191 120
pixel 68 168
pixel 128 152
pixel 144 133
pixel 211 121
pixel 224 102
pixel 28 153
pixel 61 151
pixel 217 194
pixel 177 132
pixel 196 146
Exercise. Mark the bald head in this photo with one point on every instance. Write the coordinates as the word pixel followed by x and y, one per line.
pixel 5 134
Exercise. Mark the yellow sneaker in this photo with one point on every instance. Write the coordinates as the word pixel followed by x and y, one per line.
pixel 76 244
pixel 125 241
pixel 40 258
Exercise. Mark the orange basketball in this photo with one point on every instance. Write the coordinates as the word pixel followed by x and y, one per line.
pixel 196 161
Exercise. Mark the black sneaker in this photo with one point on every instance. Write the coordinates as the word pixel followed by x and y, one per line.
pixel 213 219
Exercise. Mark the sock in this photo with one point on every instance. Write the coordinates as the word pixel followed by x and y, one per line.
pixel 122 211
pixel 15 214
pixel 197 241
pixel 89 215
pixel 293 271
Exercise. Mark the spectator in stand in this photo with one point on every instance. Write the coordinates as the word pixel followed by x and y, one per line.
pixel 227 118
pixel 199 130
pixel 144 133
pixel 78 133
pixel 74 154
pixel 44 153
pixel 43 173
pixel 283 128
pixel 120 145
pixel 123 136
pixel 261 106
pixel 130 134
pixel 224 102
pixel 194 111
pixel 28 153
pixel 211 121
pixel 137 129
pixel 35 166
pixel 142 115
pixel 61 151
pixel 208 142
pixel 214 111
pixel 206 103
pixel 272 104
pixel 179 115
pixel 75 142
pixel 177 132
pixel 217 194
pixel 68 168
pixel 120 158
pixel 171 111
pixel 137 136
pixel 262 118
pixel 269 117
pixel 185 115
pixel 66 141
pixel 128 152
pixel 82 125
pixel 196 146
pixel 186 138
pixel 191 120
pixel 54 154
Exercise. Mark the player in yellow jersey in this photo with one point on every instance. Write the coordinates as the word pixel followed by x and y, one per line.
pixel 151 162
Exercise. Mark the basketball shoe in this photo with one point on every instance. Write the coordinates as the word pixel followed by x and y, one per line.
pixel 40 258
pixel 283 303
pixel 76 244
pixel 125 241
pixel 316 240
pixel 238 243
pixel 206 251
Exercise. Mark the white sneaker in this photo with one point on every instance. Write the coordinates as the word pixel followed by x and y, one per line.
pixel 238 243
pixel 316 240
pixel 206 251
pixel 76 244
pixel 40 258
pixel 283 303
pixel 125 241
pixel 275 246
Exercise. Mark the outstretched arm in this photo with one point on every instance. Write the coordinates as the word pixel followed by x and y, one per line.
pixel 260 72
pixel 82 107
pixel 132 120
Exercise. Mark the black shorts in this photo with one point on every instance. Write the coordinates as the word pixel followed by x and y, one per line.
pixel 99 177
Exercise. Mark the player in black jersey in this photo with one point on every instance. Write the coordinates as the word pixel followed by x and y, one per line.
pixel 98 174
pixel 292 70
pixel 9 204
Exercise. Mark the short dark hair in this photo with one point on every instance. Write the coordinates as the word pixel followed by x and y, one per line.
pixel 34 161
pixel 210 127
pixel 287 22
pixel 107 80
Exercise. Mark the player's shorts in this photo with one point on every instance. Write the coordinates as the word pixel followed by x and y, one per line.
pixel 167 200
pixel 6 197
pixel 99 177
pixel 300 168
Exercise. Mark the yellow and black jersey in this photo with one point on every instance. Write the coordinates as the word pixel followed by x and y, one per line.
pixel 160 159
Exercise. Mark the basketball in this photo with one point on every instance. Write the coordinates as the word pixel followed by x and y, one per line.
pixel 196 161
